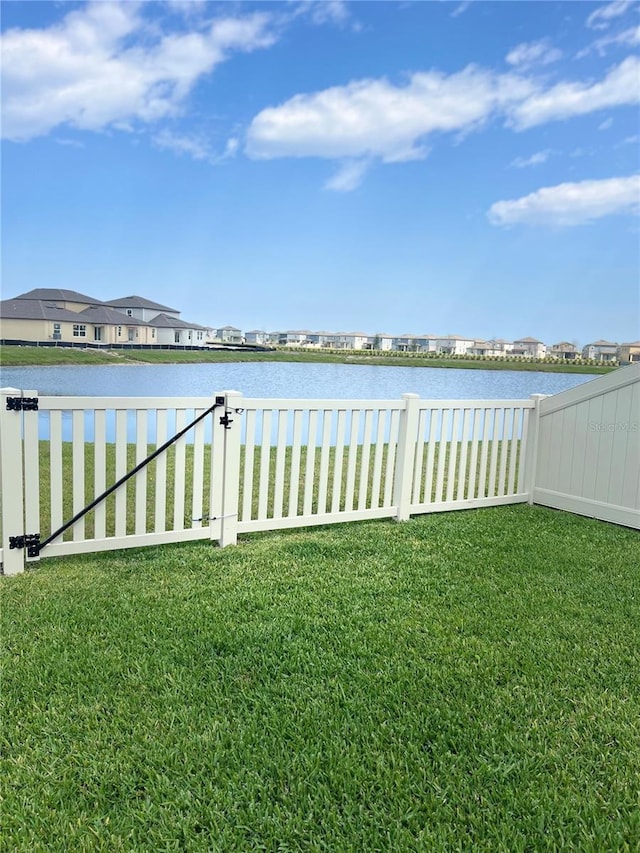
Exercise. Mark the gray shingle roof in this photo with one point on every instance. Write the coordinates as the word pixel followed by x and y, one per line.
pixel 109 316
pixel 139 302
pixel 36 309
pixel 59 293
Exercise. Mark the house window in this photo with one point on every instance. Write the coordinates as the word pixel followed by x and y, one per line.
pixel 79 331
pixel 176 337
pixel 153 333
pixel 129 312
pixel 130 334
pixel 199 336
pixel 119 331
pixel 57 332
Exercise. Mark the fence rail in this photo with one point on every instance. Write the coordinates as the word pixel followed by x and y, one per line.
pixel 255 464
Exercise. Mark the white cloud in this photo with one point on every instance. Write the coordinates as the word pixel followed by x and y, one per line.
pixel 460 9
pixel 375 118
pixel 570 203
pixel 564 100
pixel 195 147
pixel 603 15
pixel 533 53
pixel 534 160
pixel 629 37
pixel 349 176
pixel 85 72
pixel 606 124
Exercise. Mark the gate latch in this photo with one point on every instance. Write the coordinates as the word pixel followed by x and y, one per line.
pixel 30 541
pixel 226 421
pixel 22 404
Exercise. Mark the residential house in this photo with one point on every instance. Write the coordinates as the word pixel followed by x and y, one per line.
pixel 173 330
pixel 350 340
pixel 229 335
pixel 564 350
pixel 66 316
pixel 629 353
pixel 39 315
pixel 498 346
pixel 320 339
pixel 601 351
pixel 256 336
pixel 379 341
pixel 454 344
pixel 530 347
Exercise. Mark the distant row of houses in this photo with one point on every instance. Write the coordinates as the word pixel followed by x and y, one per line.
pixel 605 351
pixel 50 314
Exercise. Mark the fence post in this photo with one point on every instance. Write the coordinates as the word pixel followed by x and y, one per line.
pixel 405 456
pixel 231 469
pixel 531 450
pixel 11 482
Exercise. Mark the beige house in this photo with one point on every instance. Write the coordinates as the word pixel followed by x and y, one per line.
pixel 48 315
pixel 529 347
pixel 565 350
pixel 629 353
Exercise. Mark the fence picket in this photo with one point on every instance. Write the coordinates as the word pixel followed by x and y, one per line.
pixel 249 458
pixel 310 466
pixel 78 528
pixel 160 514
pixel 365 457
pixel 141 476
pixel 265 459
pixel 352 461
pixel 294 478
pixel 325 449
pixel 336 489
pixel 376 480
pixel 281 449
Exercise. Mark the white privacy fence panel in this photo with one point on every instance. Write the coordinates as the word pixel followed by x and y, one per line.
pixel 588 449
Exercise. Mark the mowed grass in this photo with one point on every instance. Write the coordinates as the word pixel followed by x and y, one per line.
pixel 462 681
pixel 13 356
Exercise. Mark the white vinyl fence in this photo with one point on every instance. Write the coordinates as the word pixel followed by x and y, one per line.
pixel 249 465
pixel 588 450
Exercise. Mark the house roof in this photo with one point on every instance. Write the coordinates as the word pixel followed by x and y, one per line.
pixel 602 344
pixel 527 341
pixel 229 329
pixel 109 316
pixel 565 345
pixel 36 309
pixel 256 332
pixel 59 293
pixel 164 322
pixel 139 302
pixel 631 344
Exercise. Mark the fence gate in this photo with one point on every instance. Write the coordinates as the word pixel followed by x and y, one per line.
pixel 85 474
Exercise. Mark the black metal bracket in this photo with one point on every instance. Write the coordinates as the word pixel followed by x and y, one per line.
pixel 226 421
pixel 22 404
pixel 30 541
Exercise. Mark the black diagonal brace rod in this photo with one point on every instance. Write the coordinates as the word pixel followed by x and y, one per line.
pixel 94 503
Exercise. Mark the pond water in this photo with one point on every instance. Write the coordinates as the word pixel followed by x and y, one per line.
pixel 291 380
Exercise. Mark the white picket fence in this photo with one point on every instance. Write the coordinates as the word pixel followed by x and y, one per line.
pixel 253 464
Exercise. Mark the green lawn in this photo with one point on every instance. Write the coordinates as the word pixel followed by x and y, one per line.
pixel 12 356
pixel 463 681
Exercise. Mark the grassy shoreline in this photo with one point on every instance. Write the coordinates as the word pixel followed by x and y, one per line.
pixel 18 356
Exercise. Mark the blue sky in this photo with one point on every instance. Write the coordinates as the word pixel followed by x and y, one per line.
pixel 426 167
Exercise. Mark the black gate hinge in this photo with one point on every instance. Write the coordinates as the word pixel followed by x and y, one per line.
pixel 22 404
pixel 226 421
pixel 30 541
